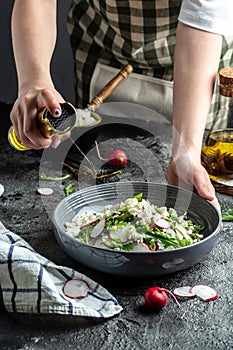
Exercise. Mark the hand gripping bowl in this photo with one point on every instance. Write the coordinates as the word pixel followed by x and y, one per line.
pixel 137 264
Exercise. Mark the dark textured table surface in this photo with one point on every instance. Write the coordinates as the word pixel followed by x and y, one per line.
pixel 206 325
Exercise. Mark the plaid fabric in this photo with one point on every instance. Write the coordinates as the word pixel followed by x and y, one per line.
pixel 117 32
pixel 30 283
pixel 219 102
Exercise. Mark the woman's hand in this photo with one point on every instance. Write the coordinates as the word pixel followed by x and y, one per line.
pixel 34 40
pixel 196 61
pixel 25 113
pixel 187 172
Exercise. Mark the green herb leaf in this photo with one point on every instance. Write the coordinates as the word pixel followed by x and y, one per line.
pixel 55 178
pixel 68 189
pixel 138 197
pixel 228 215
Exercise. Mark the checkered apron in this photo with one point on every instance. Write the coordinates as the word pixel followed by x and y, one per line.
pixel 117 32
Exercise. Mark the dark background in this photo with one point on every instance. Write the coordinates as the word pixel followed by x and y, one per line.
pixel 62 63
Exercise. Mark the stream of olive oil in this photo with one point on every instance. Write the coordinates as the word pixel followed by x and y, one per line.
pixel 83 154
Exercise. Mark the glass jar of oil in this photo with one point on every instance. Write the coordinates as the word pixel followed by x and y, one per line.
pixel 217 151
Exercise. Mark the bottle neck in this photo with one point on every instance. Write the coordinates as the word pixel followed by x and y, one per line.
pixel 224 116
pixel 230 114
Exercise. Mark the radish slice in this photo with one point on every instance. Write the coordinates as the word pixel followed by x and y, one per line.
pixel 141 247
pixel 162 223
pixel 184 292
pixel 1 190
pixel 120 234
pixel 98 229
pixel 99 242
pixel 204 292
pixel 45 191
pixel 107 241
pixel 75 289
pixel 155 247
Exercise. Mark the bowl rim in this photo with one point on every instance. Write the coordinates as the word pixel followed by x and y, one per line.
pixel 127 253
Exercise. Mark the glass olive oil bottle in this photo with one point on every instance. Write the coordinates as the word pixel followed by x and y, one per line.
pixel 217 151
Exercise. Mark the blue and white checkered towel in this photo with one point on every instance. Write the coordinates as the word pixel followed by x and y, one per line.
pixel 31 283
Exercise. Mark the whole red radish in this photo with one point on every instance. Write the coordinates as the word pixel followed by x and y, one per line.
pixel 155 298
pixel 118 158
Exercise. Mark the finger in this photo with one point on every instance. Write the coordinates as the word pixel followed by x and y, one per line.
pixel 215 203
pixel 31 138
pixel 34 137
pixel 27 129
pixel 205 188
pixel 51 100
pixel 17 118
pixel 203 184
pixel 175 180
pixel 209 195
pixel 56 140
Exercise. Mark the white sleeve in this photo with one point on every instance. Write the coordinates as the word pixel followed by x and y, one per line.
pixel 214 16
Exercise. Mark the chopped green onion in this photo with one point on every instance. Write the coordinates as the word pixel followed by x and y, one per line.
pixel 55 178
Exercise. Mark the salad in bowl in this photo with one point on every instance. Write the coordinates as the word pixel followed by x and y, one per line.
pixel 135 225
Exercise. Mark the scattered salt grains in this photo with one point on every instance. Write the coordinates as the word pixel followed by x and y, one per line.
pixel 1 190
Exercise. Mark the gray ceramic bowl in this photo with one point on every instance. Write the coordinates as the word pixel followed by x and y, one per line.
pixel 137 264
